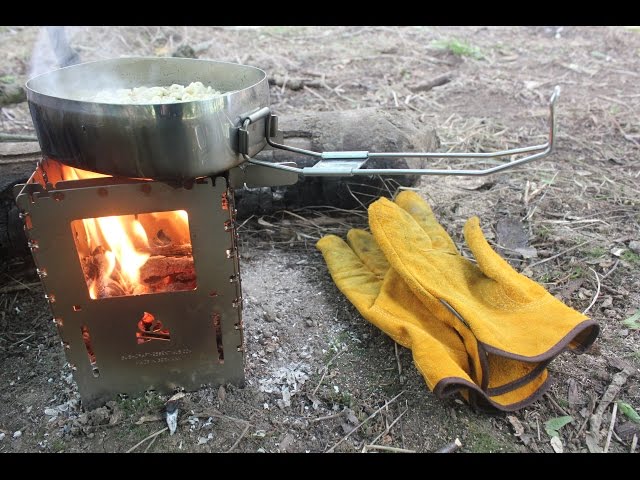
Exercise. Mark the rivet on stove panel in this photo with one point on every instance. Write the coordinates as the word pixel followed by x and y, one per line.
pixel 58 196
pixel 42 272
pixel 50 298
pixel 228 226
pixel 66 345
pixel 230 252
pixel 33 245
pixel 146 189
pixel 103 192
pixel 58 322
pixel 240 348
pixel 26 218
pixel 237 302
pixel 233 278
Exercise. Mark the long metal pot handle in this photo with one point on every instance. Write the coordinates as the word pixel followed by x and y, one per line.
pixel 350 163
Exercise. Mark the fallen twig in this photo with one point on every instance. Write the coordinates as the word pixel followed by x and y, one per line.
pixel 326 370
pixel 595 421
pixel 16 137
pixel 386 430
pixel 20 341
pixel 326 417
pixel 389 449
pixel 634 442
pixel 19 287
pixel 153 435
pixel 452 447
pixel 535 264
pixel 395 346
pixel 244 432
pixel 357 427
pixel 595 297
pixel 613 421
pixel 431 84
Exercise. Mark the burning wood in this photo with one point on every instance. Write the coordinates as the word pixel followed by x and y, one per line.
pixel 160 273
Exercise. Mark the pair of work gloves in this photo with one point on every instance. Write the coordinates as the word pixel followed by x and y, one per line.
pixel 480 329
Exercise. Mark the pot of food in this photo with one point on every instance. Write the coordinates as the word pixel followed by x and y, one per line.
pixel 89 116
pixel 180 118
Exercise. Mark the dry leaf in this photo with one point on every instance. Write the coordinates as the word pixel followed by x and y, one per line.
pixel 517 426
pixel 556 444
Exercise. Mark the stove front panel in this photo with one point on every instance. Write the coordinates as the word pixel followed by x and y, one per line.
pixel 133 343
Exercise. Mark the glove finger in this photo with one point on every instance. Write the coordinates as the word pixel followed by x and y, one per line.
pixel 516 285
pixel 365 247
pixel 421 212
pixel 353 278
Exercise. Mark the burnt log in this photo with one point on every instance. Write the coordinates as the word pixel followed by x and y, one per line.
pixel 17 163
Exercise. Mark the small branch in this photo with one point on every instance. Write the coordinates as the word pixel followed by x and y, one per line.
pixel 613 421
pixel 595 297
pixel 153 435
pixel 19 287
pixel 452 447
pixel 386 430
pixel 326 370
pixel 395 346
pixel 326 417
pixel 364 421
pixel 431 84
pixel 535 264
pixel 388 449
pixel 16 137
pixel 20 341
pixel 244 432
pixel 555 404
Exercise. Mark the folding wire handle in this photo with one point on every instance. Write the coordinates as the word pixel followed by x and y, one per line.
pixel 350 163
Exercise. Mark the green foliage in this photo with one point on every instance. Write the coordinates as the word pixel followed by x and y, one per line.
pixel 553 425
pixel 630 256
pixel 596 252
pixel 633 321
pixel 459 48
pixel 629 411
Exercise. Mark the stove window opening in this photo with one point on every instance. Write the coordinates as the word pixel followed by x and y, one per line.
pixel 135 254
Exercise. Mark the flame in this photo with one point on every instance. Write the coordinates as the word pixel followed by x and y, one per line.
pixel 123 241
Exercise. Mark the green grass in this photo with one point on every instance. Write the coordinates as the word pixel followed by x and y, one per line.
pixel 596 252
pixel 630 257
pixel 577 272
pixel 483 440
pixel 459 48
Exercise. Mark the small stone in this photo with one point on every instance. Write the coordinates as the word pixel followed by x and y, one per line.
pixel 607 302
pixel 634 246
pixel 309 322
pixel 2 435
pixel 610 313
pixel 624 332
pixel 17 434
pixel 52 412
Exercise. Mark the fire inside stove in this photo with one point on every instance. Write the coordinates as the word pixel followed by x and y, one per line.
pixel 142 278
pixel 135 254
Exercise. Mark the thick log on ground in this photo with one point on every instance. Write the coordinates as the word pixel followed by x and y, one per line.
pixel 17 163
pixel 371 129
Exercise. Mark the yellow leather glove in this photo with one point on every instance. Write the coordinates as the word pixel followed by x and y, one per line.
pixel 510 316
pixel 446 353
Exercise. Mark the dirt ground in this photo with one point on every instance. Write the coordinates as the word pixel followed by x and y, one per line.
pixel 315 368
